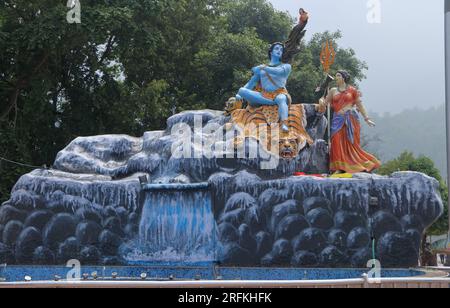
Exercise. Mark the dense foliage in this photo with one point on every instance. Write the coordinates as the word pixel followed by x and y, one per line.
pixel 129 65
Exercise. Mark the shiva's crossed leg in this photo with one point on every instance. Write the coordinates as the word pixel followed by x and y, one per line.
pixel 255 98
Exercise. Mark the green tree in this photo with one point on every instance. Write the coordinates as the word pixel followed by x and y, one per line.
pixel 308 72
pixel 225 66
pixel 270 25
pixel 116 72
pixel 127 65
pixel 407 162
pixel 51 75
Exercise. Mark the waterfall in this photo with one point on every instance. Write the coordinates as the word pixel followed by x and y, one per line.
pixel 177 225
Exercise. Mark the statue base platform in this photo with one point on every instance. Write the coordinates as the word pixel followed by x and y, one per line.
pixel 92 207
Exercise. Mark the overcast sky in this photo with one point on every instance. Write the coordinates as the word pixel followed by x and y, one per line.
pixel 405 52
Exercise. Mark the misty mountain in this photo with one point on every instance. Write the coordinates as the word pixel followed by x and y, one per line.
pixel 422 132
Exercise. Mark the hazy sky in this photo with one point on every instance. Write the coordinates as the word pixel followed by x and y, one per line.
pixel 405 52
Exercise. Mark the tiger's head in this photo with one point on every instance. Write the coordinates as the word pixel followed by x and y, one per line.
pixel 233 104
pixel 290 145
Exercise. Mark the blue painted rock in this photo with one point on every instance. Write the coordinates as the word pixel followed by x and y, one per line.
pixel 332 257
pixel 28 241
pixel 315 203
pixel 109 243
pixel 347 221
pixel 383 222
pixel 246 240
pixel 338 238
pixel 358 238
pixel 43 256
pixel 59 228
pixel 264 244
pixel 312 240
pixel 9 213
pixel 320 218
pixel 304 259
pixel 68 250
pixel 394 246
pixel 291 226
pixel 90 255
pixel 38 219
pixel 11 232
pixel 87 233
pixel 228 233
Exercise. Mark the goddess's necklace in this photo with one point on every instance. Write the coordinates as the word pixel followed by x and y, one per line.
pixel 342 91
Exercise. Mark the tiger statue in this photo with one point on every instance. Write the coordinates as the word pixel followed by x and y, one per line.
pixel 247 120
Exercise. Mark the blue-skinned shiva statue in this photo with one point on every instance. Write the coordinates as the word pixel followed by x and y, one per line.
pixel 268 84
pixel 267 87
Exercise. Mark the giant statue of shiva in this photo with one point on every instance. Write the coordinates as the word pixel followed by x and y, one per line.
pixel 267 87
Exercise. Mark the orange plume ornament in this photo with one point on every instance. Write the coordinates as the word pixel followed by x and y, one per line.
pixel 327 56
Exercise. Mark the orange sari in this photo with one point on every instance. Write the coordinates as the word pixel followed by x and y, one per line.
pixel 346 153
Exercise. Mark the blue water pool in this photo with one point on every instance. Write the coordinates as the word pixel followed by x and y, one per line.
pixel 197 272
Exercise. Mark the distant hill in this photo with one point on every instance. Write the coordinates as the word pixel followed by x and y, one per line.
pixel 422 132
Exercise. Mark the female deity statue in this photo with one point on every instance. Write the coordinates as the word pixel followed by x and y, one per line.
pixel 346 153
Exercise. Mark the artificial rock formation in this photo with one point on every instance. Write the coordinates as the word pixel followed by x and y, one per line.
pixel 91 206
pixel 309 222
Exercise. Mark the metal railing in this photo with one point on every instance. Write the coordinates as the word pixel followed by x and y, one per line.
pixel 363 282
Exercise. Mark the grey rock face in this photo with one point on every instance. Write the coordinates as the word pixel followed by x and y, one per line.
pixel 313 240
pixel 120 156
pixel 11 233
pixel 109 243
pixel 246 240
pixel 282 210
pixel 8 213
pixel 94 185
pixel 7 256
pixel 332 257
pixel 304 259
pixel 61 227
pixel 358 238
pixel 39 219
pixel 89 207
pixel 337 238
pixel 228 233
pixel 320 218
pixel 28 241
pixel 233 254
pixel 395 246
pixel 290 226
pixel 87 233
pixel 43 256
pixel 264 244
pixel 340 224
pixel 68 250
pixel 90 255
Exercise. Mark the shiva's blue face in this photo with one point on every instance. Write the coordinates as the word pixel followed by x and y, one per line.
pixel 278 51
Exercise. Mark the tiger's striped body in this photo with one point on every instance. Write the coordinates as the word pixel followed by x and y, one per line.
pixel 248 120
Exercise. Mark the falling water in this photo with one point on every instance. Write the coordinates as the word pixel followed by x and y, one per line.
pixel 177 226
